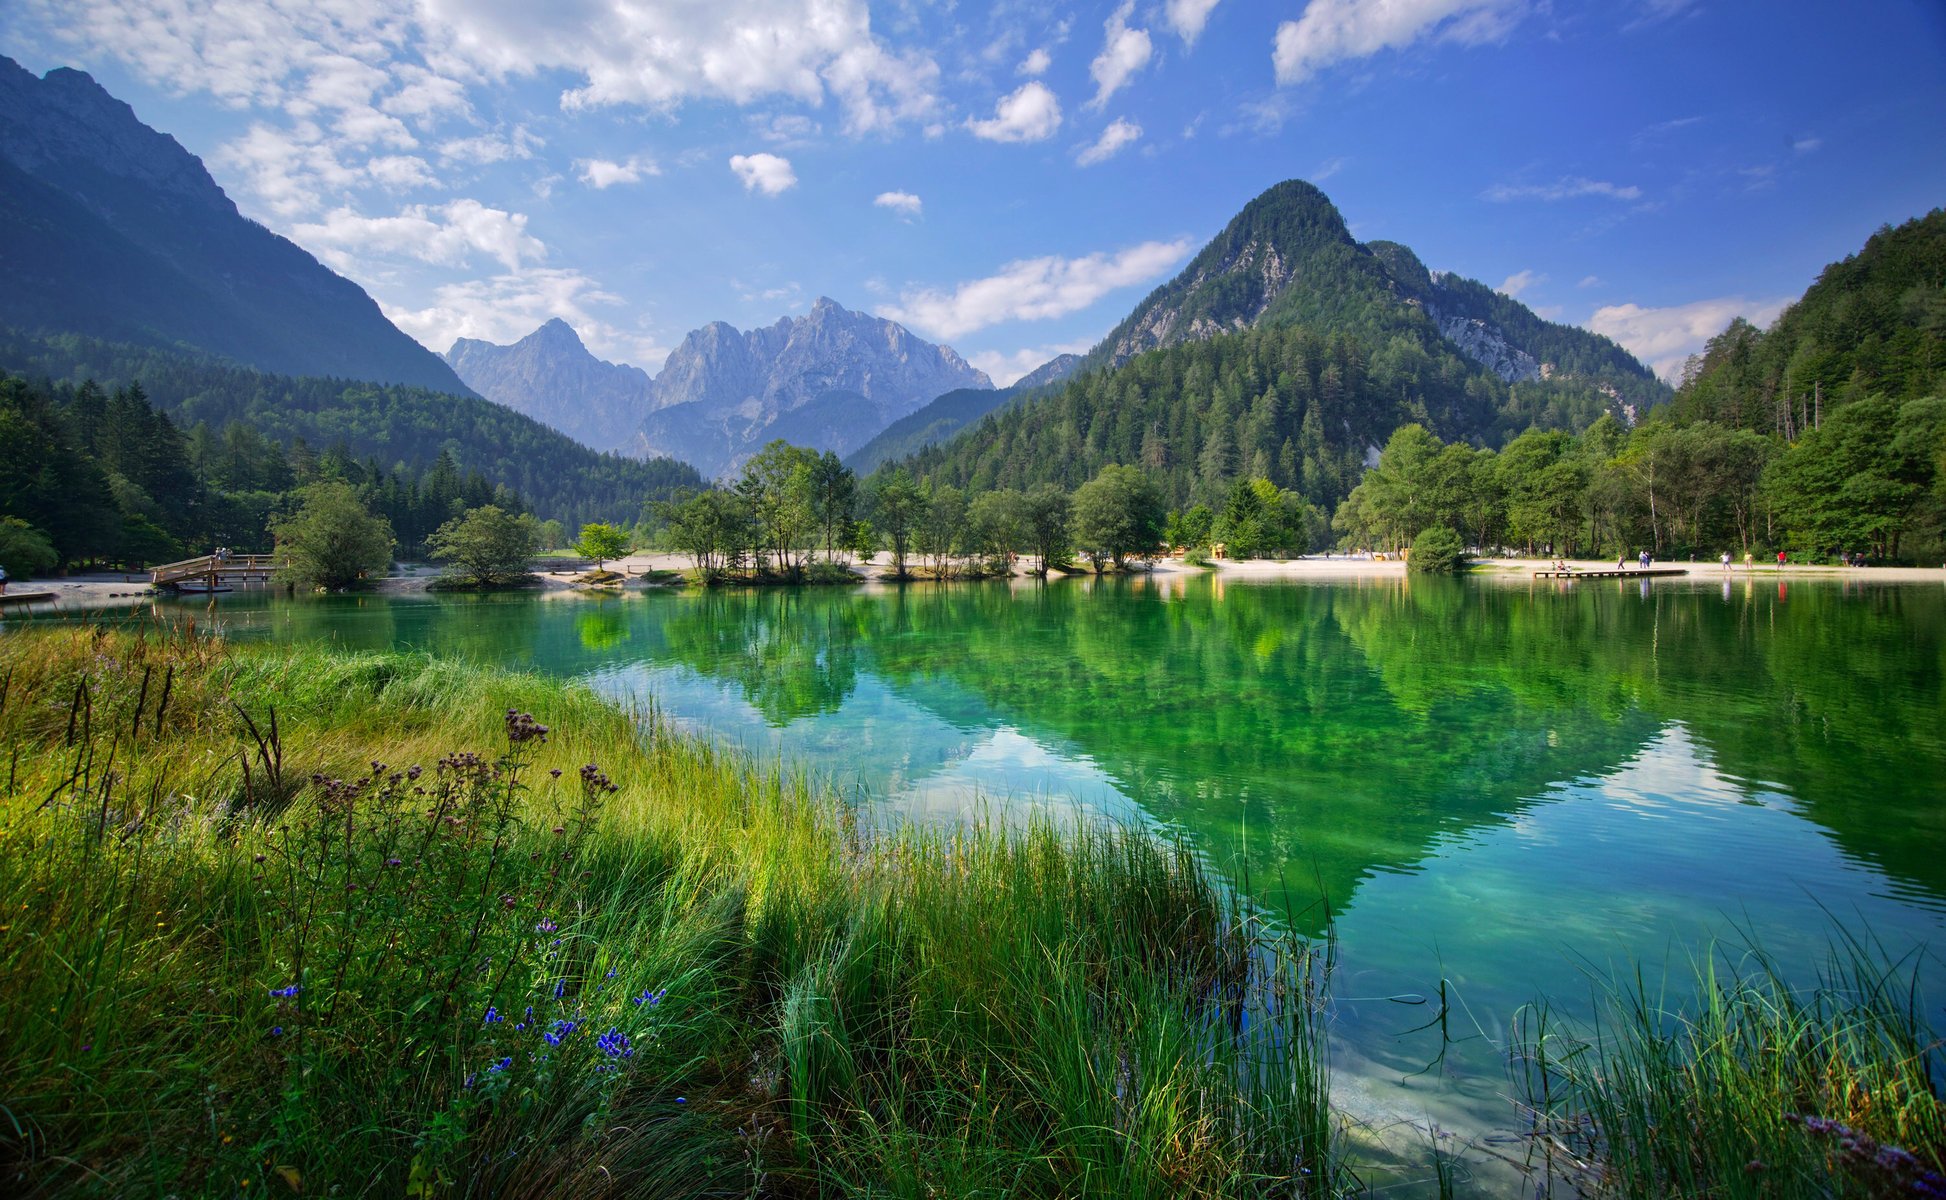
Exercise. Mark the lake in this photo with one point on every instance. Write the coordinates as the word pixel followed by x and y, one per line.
pixel 1508 788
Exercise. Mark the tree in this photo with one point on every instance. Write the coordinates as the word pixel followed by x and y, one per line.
pixel 862 541
pixel 712 527
pixel 997 525
pixel 942 527
pixel 487 546
pixel 1117 514
pixel 897 506
pixel 601 541
pixel 25 550
pixel 834 493
pixel 332 540
pixel 553 535
pixel 777 488
pixel 1048 520
pixel 1191 530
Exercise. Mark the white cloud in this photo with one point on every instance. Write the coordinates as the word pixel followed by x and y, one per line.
pixel 1327 168
pixel 1036 63
pixel 1113 138
pixel 659 56
pixel 506 308
pixel 449 235
pixel 766 173
pixel 1519 282
pixel 1033 289
pixel 1006 367
pixel 600 174
pixel 490 147
pixel 1664 338
pixel 784 129
pixel 1807 145
pixel 1588 281
pixel 1124 51
pixel 1568 187
pixel 1031 113
pixel 1331 31
pixel 1187 18
pixel 905 204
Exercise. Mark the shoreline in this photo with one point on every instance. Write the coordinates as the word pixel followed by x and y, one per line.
pixel 107 589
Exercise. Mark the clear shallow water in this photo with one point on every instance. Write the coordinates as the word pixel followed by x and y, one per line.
pixel 1508 788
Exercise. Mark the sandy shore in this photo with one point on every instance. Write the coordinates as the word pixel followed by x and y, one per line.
pixel 103 590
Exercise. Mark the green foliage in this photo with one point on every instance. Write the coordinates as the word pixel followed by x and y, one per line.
pixel 393 429
pixel 1857 481
pixel 487 547
pixel 1437 551
pixel 897 508
pixel 285 981
pixel 1872 324
pixel 1117 515
pixel 25 550
pixel 712 527
pixel 601 541
pixel 1048 521
pixel 332 540
pixel 783 487
pixel 1780 1092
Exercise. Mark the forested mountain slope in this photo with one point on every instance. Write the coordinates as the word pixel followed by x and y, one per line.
pixel 111 229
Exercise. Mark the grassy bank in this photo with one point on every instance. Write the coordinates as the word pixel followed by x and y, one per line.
pixel 291 920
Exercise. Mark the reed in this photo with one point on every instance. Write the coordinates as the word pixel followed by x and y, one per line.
pixel 1756 1088
pixel 297 920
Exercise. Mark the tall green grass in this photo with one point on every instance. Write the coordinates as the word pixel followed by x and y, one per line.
pixel 1756 1088
pixel 295 920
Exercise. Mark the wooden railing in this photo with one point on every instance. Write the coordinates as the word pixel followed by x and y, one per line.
pixel 232 568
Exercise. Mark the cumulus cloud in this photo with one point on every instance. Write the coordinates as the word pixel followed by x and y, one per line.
pixel 450 235
pixel 351 81
pixel 1124 51
pixel 766 173
pixel 1187 18
pixel 1519 282
pixel 1030 113
pixel 601 174
pixel 1569 187
pixel 1036 63
pixel 505 308
pixel 1664 338
pixel 1332 31
pixel 1588 281
pixel 905 204
pixel 1033 289
pixel 1109 144
pixel 1005 367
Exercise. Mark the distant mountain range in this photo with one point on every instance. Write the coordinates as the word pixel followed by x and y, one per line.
pixel 829 379
pixel 110 229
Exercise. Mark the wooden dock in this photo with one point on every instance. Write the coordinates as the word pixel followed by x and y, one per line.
pixel 232 569
pixel 1610 573
pixel 7 598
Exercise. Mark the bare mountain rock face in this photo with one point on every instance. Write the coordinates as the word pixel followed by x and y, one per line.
pixel 551 376
pixel 829 379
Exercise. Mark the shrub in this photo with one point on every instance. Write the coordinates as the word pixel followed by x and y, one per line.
pixel 1437 551
pixel 25 550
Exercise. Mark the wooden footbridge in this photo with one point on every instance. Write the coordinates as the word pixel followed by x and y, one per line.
pixel 1612 573
pixel 213 571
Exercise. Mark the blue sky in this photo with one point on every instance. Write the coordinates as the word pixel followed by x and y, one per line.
pixel 1012 178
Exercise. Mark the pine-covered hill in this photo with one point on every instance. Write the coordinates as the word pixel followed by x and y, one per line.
pixel 388 424
pixel 1872 324
pixel 1287 349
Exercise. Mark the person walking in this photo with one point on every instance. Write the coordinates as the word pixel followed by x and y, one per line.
pixel 1726 560
pixel 1645 560
pixel 1780 560
pixel 3 581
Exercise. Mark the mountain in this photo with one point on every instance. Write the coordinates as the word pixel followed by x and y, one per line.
pixel 952 412
pixel 829 379
pixel 1288 350
pixel 1288 259
pixel 550 376
pixel 388 424
pixel 112 230
pixel 1873 323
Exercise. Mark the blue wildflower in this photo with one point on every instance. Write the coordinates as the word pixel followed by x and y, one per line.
pixel 503 1064
pixel 276 1031
pixel 493 1017
pixel 286 993
pixel 614 1044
